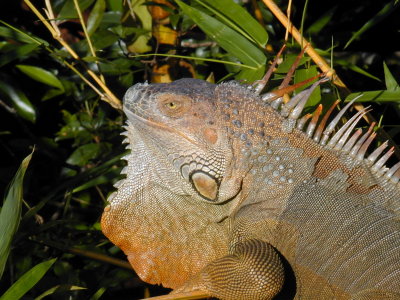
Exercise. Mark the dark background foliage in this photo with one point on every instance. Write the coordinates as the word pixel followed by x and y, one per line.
pixel 76 135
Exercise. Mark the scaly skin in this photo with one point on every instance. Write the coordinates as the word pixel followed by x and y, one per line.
pixel 223 194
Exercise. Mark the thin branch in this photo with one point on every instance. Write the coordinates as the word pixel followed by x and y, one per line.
pixel 86 253
pixel 54 32
pixel 196 58
pixel 112 99
pixel 131 12
pixel 89 41
pixel 76 71
pixel 319 61
pixel 10 109
pixel 288 13
pixel 303 17
pixel 182 296
pixel 51 17
pixel 189 44
pixel 53 28
pixel 324 66
pixel 101 257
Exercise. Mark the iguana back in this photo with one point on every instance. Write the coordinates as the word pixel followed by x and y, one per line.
pixel 225 192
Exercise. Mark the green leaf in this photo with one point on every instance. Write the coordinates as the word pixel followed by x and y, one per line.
pixel 234 43
pixel 83 154
pixel 287 63
pixel 111 18
pixel 68 11
pixel 125 31
pixel 17 52
pixel 27 281
pixel 59 287
pixel 14 35
pixel 96 15
pixel 19 101
pixel 108 177
pixel 115 5
pixel 10 214
pixel 41 75
pixel 376 96
pixel 98 294
pixel 73 182
pixel 391 83
pixel 318 25
pixel 236 17
pixel 17 34
pixel 74 129
pixel 304 74
pixel 140 45
pixel 347 64
pixel 362 72
pixel 103 38
pixel 52 93
pixel 143 14
pixel 118 66
pixel 385 11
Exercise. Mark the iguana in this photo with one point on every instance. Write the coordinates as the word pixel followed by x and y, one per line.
pixel 225 192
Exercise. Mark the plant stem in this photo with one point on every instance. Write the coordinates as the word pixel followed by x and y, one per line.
pixel 108 96
pixel 89 41
pixel 324 66
pixel 319 61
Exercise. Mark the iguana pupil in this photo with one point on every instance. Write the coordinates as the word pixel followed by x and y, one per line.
pixel 172 105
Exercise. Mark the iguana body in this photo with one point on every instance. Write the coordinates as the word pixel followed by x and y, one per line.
pixel 223 194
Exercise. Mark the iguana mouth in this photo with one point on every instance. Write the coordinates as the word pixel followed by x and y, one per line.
pixel 137 120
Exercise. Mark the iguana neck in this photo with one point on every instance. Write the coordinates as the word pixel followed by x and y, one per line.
pixel 271 153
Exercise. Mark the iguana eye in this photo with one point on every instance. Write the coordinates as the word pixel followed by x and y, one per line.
pixel 171 105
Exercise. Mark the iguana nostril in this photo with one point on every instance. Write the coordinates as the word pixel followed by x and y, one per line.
pixel 133 93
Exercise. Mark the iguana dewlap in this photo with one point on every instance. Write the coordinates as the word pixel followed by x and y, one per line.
pixel 225 192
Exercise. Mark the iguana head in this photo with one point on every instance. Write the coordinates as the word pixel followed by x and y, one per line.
pixel 178 121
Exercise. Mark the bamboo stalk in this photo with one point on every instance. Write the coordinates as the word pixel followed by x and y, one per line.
pixel 101 257
pixel 319 61
pixel 54 33
pixel 108 96
pixel 324 66
pixel 89 41
pixel 182 296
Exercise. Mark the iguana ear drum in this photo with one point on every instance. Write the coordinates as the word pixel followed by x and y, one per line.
pixel 205 185
pixel 210 135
